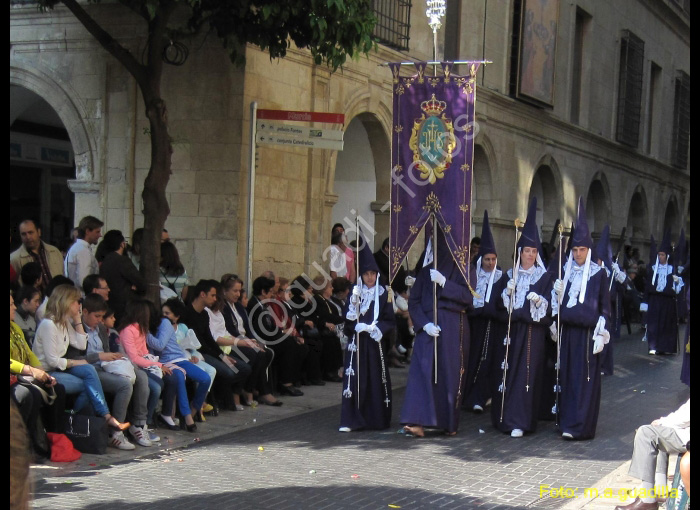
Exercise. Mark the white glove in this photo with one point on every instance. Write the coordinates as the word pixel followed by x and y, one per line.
pixel 355 297
pixel 409 281
pixel 437 277
pixel 510 287
pixel 535 298
pixel 643 307
pixel 616 267
pixel 374 332
pixel 432 329
pixel 676 279
pixel 559 287
pixel 598 344
pixel 600 336
pixel 620 277
pixel 681 269
pixel 553 332
pixel 361 327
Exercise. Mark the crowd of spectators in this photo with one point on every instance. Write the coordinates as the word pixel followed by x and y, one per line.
pixel 82 328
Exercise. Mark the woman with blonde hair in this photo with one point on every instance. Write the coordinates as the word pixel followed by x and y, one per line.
pixel 61 329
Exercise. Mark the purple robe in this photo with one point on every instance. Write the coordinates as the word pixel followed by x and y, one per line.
pixel 606 357
pixel 426 403
pixel 579 374
pixel 374 409
pixel 488 326
pixel 525 368
pixel 685 369
pixel 662 318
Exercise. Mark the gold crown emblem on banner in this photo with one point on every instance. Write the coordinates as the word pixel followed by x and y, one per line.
pixel 433 106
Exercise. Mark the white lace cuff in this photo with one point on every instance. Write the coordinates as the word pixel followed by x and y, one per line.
pixel 538 312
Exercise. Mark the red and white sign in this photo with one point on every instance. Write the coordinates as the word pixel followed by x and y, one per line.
pixel 332 118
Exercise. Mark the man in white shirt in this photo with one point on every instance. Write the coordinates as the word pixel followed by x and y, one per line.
pixel 652 444
pixel 80 260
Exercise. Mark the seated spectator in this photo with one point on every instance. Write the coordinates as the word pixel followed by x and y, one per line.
pixel 328 318
pixel 27 396
pixel 110 369
pixel 237 324
pixel 109 322
pixel 301 308
pixel 172 273
pixel 164 344
pixel 123 279
pixel 31 275
pixel 187 339
pixel 290 351
pixel 135 327
pixel 234 347
pixel 28 301
pixel 341 289
pixel 230 373
pixel 55 282
pixel 95 284
pixel 80 260
pixel 652 445
pixel 33 249
pixel 63 328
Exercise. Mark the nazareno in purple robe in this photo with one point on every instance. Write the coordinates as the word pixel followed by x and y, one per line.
pixel 662 318
pixel 488 325
pixel 428 404
pixel 526 365
pixel 579 375
pixel 685 368
pixel 374 396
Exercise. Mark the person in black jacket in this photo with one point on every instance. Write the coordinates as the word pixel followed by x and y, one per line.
pixel 290 351
pixel 260 356
pixel 124 280
pixel 231 373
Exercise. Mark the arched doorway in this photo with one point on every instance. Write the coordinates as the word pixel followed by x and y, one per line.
pixel 671 220
pixel 638 215
pixel 597 210
pixel 362 178
pixel 544 187
pixel 42 162
pixel 482 194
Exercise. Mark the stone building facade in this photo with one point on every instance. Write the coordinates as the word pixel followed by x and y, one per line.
pixel 556 151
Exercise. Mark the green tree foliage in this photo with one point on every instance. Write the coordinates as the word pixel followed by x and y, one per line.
pixel 332 30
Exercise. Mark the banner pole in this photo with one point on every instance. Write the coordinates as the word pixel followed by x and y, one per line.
pixel 358 278
pixel 435 317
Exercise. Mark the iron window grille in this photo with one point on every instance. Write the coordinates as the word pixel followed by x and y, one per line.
pixel 393 22
pixel 681 121
pixel 629 103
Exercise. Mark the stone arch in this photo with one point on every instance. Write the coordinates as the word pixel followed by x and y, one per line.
pixel 598 203
pixel 672 218
pixel 484 174
pixel 365 168
pixel 546 186
pixel 71 112
pixel 638 215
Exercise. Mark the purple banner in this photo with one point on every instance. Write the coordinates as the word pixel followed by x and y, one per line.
pixel 431 158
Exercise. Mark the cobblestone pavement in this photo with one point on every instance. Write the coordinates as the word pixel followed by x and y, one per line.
pixel 298 460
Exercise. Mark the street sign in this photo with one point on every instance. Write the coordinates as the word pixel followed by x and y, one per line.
pixel 294 141
pixel 333 118
pixel 265 126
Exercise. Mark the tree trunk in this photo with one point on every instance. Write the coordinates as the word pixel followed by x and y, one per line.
pixel 155 204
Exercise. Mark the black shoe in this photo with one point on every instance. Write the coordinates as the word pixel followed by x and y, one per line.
pixel 332 378
pixel 290 391
pixel 316 382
